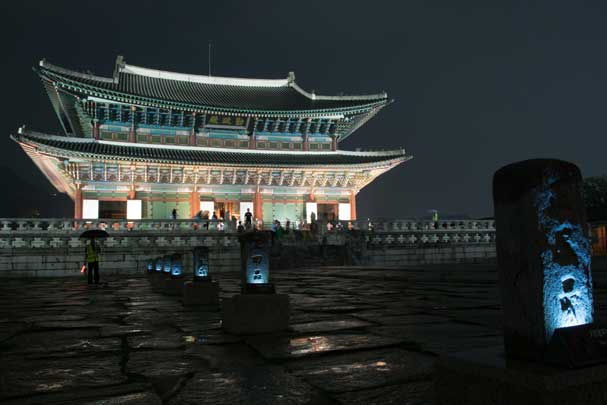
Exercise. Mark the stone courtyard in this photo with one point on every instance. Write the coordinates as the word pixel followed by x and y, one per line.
pixel 357 336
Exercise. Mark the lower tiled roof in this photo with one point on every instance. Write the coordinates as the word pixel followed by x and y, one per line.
pixel 68 146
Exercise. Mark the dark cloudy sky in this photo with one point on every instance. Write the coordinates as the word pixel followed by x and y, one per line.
pixel 477 84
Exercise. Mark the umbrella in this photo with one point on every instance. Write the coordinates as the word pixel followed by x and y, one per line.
pixel 94 233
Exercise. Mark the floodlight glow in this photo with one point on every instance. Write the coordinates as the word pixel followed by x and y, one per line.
pixel 158 264
pixel 176 267
pixel 133 209
pixel 90 209
pixel 344 212
pixel 166 264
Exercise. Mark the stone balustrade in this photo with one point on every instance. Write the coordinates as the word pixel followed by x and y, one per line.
pixel 53 247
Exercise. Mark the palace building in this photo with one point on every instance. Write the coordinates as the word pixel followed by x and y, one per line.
pixel 144 142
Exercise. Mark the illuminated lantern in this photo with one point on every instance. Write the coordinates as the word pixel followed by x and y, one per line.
pixel 166 264
pixel 255 273
pixel 258 266
pixel 150 266
pixel 176 266
pixel 543 253
pixel 201 264
pixel 158 264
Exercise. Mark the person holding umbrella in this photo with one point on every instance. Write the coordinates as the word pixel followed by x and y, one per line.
pixel 92 252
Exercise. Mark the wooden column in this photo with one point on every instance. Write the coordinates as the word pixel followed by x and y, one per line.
pixel 253 141
pixel 306 143
pixel 333 142
pixel 194 203
pixel 132 132
pixel 352 206
pixel 258 205
pixel 193 132
pixel 96 129
pixel 78 203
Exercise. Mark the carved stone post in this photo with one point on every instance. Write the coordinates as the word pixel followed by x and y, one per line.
pixel 543 253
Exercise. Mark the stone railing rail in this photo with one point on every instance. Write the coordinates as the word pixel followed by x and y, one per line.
pixel 176 225
pixel 64 232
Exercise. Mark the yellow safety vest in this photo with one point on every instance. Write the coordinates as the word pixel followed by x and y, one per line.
pixel 91 254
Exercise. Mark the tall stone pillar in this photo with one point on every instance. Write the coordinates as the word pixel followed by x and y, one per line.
pixel 543 253
pixel 352 205
pixel 78 203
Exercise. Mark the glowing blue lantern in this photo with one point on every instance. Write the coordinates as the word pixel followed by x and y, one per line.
pixel 258 267
pixel 158 264
pixel 201 264
pixel 166 264
pixel 255 271
pixel 176 266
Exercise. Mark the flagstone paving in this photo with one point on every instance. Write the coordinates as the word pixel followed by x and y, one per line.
pixel 358 335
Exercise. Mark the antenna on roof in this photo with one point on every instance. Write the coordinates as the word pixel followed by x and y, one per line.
pixel 209 58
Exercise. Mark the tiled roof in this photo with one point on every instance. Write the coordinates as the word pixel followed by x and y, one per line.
pixel 68 146
pixel 247 94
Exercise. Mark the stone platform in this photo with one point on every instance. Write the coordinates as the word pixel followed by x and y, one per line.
pixel 485 377
pixel 356 336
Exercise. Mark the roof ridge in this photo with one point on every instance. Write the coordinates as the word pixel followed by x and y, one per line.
pixel 204 79
pixel 89 76
pixel 313 96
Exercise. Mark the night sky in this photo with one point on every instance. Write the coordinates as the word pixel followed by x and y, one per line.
pixel 476 85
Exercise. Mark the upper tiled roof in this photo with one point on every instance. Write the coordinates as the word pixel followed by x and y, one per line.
pixel 207 91
pixel 68 146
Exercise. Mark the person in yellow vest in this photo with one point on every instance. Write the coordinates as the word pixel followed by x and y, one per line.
pixel 435 219
pixel 91 257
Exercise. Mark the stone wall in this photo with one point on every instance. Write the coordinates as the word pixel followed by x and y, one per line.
pixel 52 247
pixel 428 254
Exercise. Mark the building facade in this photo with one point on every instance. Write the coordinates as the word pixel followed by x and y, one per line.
pixel 144 142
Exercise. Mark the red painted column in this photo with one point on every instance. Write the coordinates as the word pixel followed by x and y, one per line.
pixel 352 205
pixel 194 203
pixel 253 141
pixel 333 142
pixel 258 205
pixel 306 143
pixel 78 204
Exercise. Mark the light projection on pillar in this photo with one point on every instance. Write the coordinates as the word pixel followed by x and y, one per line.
pixel 166 264
pixel 176 267
pixel 158 265
pixel 258 267
pixel 566 262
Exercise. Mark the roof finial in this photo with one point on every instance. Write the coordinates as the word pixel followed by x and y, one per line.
pixel 209 58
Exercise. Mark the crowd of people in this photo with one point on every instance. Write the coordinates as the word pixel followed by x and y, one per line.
pixel 221 220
